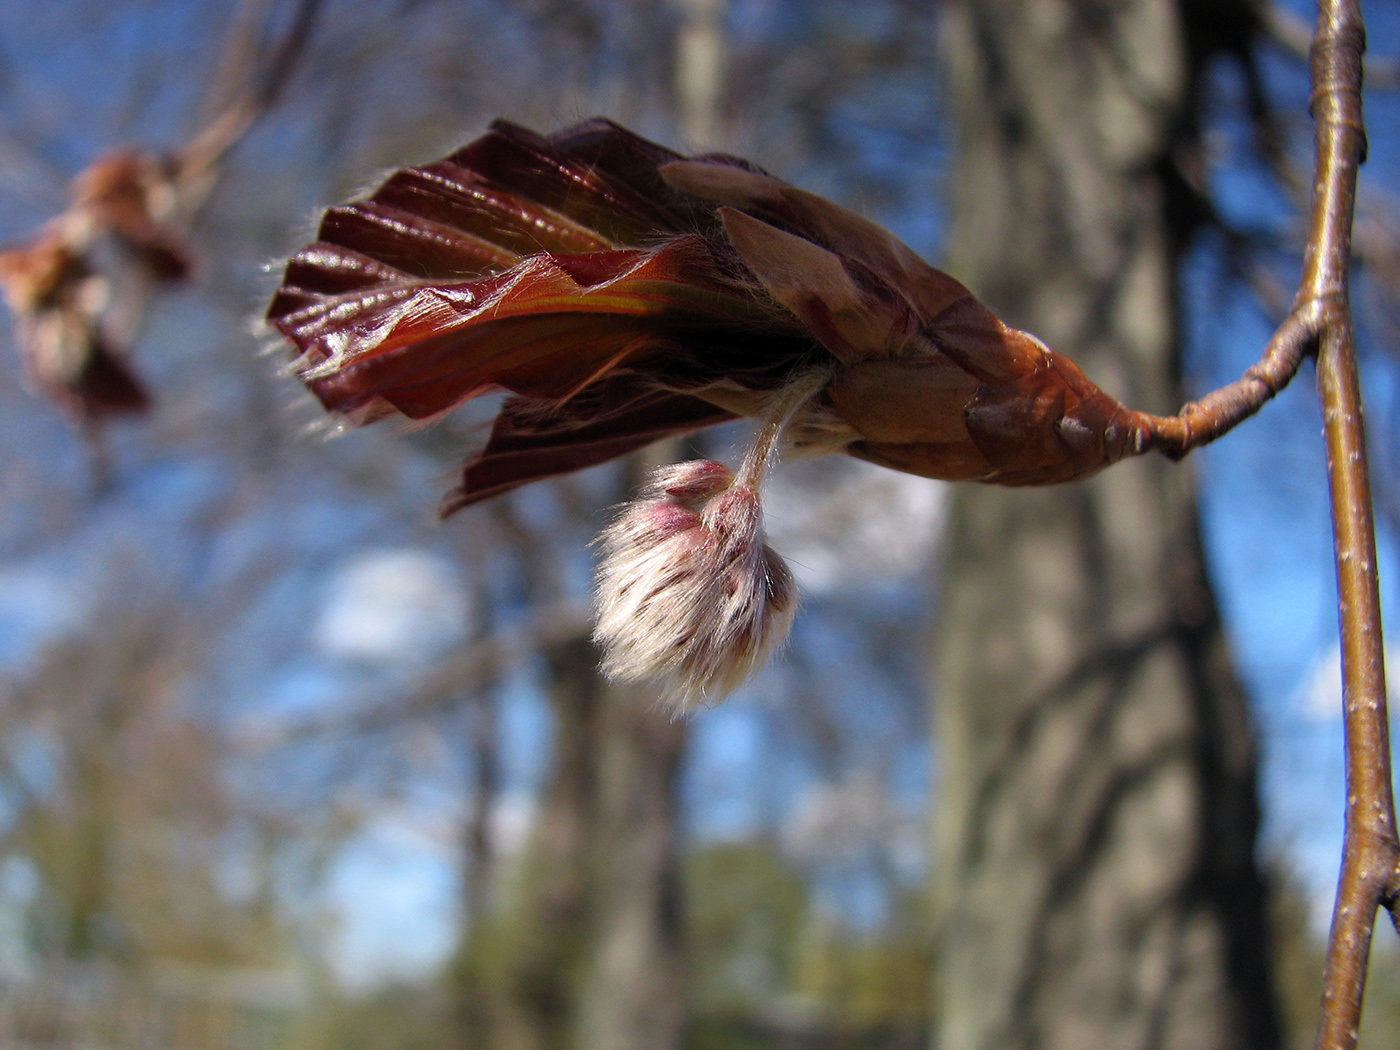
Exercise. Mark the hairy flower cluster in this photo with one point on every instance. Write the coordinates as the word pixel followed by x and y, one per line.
pixel 689 594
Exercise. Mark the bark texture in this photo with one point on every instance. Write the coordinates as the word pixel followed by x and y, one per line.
pixel 587 955
pixel 1095 841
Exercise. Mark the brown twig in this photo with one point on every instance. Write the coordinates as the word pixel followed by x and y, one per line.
pixel 197 162
pixel 79 307
pixel 1293 35
pixel 1370 873
pixel 1320 323
pixel 1201 422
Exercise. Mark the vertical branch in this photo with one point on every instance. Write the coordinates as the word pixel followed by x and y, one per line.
pixel 1369 876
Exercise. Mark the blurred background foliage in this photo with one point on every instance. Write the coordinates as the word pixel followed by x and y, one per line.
pixel 284 763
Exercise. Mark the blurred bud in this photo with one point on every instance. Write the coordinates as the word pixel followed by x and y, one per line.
pixel 131 195
pixel 58 302
pixel 689 594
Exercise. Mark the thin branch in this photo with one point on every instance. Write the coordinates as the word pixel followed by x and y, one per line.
pixel 1294 36
pixel 197 162
pixel 1320 323
pixel 74 342
pixel 1370 873
pixel 1212 416
pixel 1201 422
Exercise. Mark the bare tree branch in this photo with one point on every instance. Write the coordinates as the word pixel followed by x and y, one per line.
pixel 1294 35
pixel 1371 856
pixel 196 163
pixel 78 309
pixel 1320 323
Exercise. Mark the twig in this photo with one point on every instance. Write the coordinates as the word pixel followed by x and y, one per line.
pixel 1201 422
pixel 1214 415
pixel 1371 856
pixel 197 162
pixel 1292 34
pixel 1320 323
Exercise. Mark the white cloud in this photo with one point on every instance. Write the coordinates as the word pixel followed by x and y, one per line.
pixel 1321 693
pixel 840 522
pixel 391 604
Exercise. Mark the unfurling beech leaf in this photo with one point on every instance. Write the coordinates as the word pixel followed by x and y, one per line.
pixel 621 293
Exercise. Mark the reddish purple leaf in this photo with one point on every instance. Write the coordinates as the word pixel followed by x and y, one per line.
pixel 620 293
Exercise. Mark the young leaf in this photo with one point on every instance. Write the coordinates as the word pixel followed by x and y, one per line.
pixel 621 293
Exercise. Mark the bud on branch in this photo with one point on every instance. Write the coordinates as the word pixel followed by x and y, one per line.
pixel 621 293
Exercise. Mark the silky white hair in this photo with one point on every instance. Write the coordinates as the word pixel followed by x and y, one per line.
pixel 689 594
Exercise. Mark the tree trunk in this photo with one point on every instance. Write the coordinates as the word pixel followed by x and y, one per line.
pixel 1095 840
pixel 587 954
pixel 590 955
pixel 633 990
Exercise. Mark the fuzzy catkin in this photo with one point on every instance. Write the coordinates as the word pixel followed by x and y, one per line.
pixel 689 594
